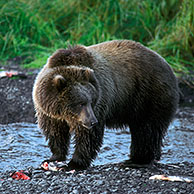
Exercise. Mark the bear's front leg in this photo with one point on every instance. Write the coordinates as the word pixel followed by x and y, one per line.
pixel 88 143
pixel 57 132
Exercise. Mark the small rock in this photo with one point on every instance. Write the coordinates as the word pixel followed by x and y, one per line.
pixel 48 173
pixel 75 191
pixel 38 176
pixel 175 189
pixel 99 182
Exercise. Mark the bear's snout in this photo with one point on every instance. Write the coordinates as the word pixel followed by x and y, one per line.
pixel 87 118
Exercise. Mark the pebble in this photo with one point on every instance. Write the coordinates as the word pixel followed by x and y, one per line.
pixel 99 182
pixel 38 176
pixel 175 189
pixel 75 191
pixel 48 173
pixel 37 171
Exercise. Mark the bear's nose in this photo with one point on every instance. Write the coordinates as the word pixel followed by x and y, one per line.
pixel 94 123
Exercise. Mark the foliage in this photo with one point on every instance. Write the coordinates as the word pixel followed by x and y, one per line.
pixel 35 28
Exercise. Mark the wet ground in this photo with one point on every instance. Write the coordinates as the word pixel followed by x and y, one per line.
pixel 23 145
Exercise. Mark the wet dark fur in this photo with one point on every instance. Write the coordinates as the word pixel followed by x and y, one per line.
pixel 126 84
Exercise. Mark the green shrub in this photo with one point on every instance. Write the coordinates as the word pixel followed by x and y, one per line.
pixel 34 29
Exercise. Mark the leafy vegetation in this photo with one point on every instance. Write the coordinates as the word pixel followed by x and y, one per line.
pixel 34 29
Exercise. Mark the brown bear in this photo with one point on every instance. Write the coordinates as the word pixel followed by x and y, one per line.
pixel 115 84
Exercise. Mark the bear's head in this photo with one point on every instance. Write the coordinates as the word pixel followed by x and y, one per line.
pixel 77 56
pixel 67 93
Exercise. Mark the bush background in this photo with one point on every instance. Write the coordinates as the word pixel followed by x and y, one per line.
pixel 33 29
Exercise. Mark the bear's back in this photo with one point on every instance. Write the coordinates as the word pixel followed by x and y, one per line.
pixel 128 53
pixel 126 58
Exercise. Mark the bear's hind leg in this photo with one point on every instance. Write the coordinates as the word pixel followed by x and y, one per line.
pixel 57 132
pixel 146 143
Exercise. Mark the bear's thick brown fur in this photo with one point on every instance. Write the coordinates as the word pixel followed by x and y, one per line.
pixel 114 84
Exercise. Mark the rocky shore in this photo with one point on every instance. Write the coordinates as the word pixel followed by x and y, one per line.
pixel 103 180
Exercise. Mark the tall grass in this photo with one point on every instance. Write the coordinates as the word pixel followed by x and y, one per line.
pixel 175 40
pixel 35 28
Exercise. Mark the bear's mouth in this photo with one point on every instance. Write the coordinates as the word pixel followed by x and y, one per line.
pixel 89 125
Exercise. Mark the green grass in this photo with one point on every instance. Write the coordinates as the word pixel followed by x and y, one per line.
pixel 34 29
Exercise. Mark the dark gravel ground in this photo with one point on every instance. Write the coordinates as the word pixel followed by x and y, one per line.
pixel 102 179
pixel 16 106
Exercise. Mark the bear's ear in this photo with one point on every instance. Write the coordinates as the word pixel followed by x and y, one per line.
pixel 59 82
pixel 59 58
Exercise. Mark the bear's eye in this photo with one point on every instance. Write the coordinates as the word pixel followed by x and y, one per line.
pixel 78 107
pixel 81 105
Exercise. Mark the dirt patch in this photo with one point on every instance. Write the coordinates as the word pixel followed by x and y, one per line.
pixel 16 100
